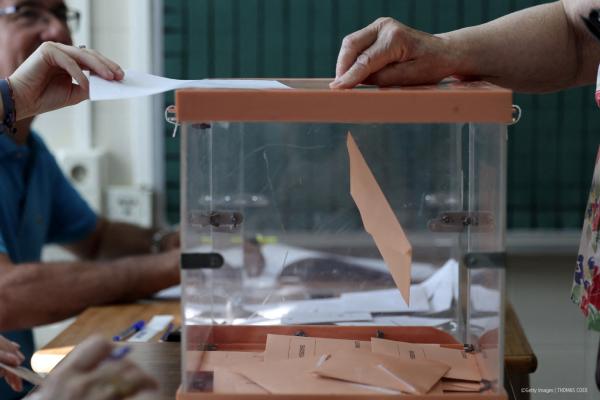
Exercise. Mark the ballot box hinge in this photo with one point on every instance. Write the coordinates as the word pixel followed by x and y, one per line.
pixel 485 260
pixel 225 220
pixel 459 221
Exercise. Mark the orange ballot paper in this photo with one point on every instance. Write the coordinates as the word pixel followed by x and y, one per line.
pixel 415 376
pixel 209 360
pixel 281 347
pixel 379 220
pixel 463 365
pixel 296 377
pixel 226 381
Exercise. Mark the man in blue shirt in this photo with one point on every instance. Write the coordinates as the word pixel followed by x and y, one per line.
pixel 38 206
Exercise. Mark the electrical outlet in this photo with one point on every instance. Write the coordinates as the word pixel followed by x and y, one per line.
pixel 130 204
pixel 85 171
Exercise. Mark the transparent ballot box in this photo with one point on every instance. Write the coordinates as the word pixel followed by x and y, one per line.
pixel 343 242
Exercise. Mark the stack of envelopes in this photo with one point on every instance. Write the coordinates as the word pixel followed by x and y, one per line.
pixel 304 365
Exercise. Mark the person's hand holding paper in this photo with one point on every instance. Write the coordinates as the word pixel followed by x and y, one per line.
pixel 139 84
pixel 379 220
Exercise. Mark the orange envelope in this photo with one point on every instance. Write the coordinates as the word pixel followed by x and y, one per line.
pixel 227 381
pixel 379 220
pixel 403 350
pixel 295 377
pixel 415 376
pixel 463 365
pixel 282 347
pixel 460 386
pixel 436 389
pixel 487 361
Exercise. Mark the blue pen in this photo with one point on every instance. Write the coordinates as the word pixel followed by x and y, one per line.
pixel 168 331
pixel 135 327
pixel 119 353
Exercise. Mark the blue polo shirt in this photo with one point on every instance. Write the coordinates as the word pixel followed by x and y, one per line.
pixel 38 205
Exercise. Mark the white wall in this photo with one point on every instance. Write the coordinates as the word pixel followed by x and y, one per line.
pixel 128 131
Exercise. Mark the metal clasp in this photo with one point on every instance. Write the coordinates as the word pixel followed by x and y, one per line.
pixel 457 221
pixel 171 118
pixel 217 219
pixel 517 112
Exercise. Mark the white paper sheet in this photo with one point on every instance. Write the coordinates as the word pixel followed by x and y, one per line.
pixel 157 324
pixel 287 309
pixel 137 84
pixel 401 320
pixel 172 293
pixel 386 301
pixel 24 373
pixel 301 318
pixel 352 306
pixel 278 256
pixel 485 299
pixel 442 286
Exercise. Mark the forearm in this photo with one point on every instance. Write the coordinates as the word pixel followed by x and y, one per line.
pixel 121 239
pixel 34 294
pixel 111 240
pixel 538 49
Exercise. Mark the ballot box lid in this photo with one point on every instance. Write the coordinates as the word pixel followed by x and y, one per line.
pixel 311 100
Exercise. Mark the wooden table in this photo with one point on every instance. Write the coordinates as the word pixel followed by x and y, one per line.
pixel 519 359
pixel 162 360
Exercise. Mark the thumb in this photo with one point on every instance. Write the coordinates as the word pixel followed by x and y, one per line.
pixel 78 94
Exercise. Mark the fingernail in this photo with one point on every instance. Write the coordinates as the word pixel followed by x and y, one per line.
pixel 17 345
pixel 21 355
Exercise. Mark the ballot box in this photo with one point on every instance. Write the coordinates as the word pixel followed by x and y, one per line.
pixel 343 242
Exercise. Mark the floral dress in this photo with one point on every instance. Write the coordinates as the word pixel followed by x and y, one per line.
pixel 586 282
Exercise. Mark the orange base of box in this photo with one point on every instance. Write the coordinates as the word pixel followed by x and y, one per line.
pixel 253 338
pixel 454 396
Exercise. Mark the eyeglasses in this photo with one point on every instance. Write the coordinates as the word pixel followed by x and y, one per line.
pixel 31 13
